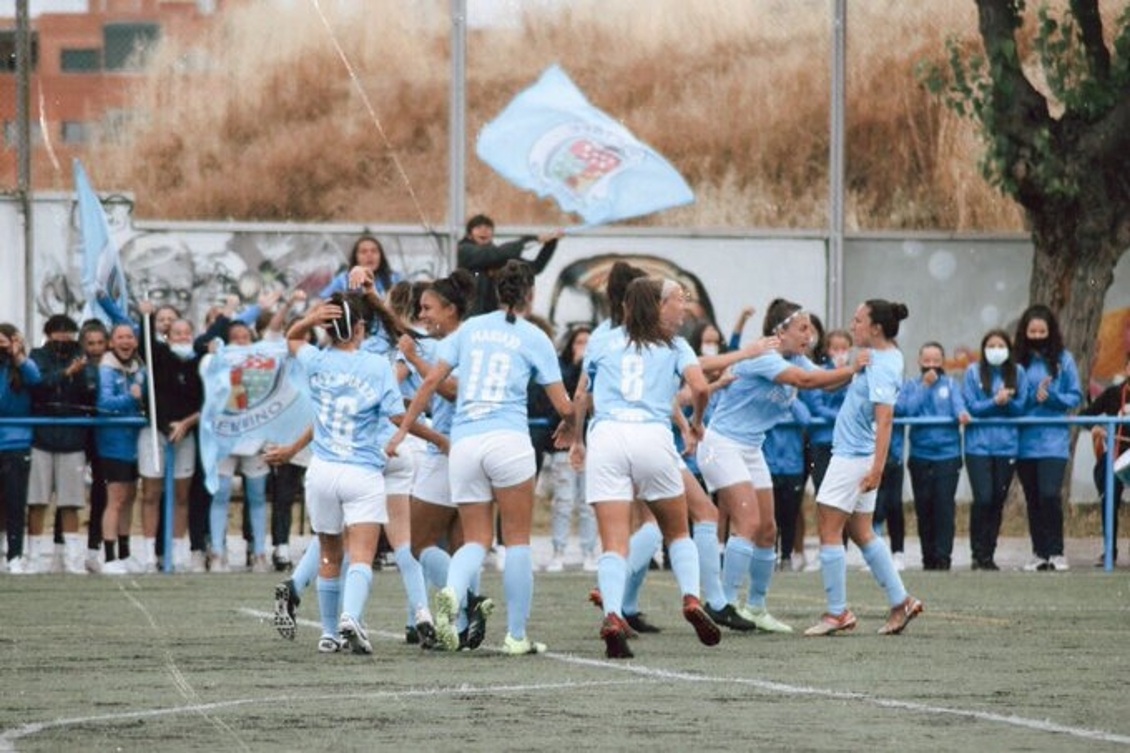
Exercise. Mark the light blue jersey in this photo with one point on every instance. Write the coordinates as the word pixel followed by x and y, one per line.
pixel 754 402
pixel 633 383
pixel 441 410
pixel 879 383
pixel 354 394
pixel 601 332
pixel 496 360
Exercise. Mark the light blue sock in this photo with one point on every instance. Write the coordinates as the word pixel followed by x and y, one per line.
pixel 435 563
pixel 329 604
pixel 464 569
pixel 518 585
pixel 877 555
pixel 735 566
pixel 642 547
pixel 412 576
pixel 612 579
pixel 358 583
pixel 833 571
pixel 218 516
pixel 684 564
pixel 709 564
pixel 255 497
pixel 761 575
pixel 307 568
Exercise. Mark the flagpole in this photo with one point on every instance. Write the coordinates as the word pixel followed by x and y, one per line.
pixel 150 388
pixel 457 125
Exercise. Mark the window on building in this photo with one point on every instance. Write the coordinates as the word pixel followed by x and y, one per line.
pixel 12 135
pixel 8 51
pixel 125 45
pixel 81 61
pixel 75 132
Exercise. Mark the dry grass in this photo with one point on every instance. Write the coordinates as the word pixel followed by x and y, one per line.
pixel 733 92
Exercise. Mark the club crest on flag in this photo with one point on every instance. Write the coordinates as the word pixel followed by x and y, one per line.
pixel 552 141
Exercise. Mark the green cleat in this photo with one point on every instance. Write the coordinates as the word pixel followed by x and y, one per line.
pixel 514 647
pixel 764 621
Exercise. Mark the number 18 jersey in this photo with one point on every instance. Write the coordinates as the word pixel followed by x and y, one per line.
pixel 495 359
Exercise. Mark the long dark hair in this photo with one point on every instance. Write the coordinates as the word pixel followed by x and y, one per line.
pixel 641 313
pixel 565 352
pixel 619 278
pixel 457 289
pixel 1050 352
pixel 354 310
pixel 15 381
pixel 887 315
pixel 1008 368
pixel 384 270
pixel 695 338
pixel 513 284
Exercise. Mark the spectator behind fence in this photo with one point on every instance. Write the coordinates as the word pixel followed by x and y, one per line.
pixel 175 371
pixel 18 374
pixel 69 388
pixel 121 394
pixel 367 252
pixel 479 255
pixel 94 339
pixel 1053 388
pixel 1114 401
pixel 993 388
pixel 935 455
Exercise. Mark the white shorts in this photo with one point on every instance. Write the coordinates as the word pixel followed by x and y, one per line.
pixel 724 462
pixel 398 474
pixel 58 472
pixel 184 462
pixel 431 484
pixel 626 461
pixel 342 494
pixel 841 485
pixel 251 466
pixel 496 460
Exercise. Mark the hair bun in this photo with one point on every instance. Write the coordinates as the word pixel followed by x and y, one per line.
pixel 900 311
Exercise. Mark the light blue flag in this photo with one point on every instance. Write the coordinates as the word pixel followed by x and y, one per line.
pixel 102 272
pixel 550 140
pixel 253 395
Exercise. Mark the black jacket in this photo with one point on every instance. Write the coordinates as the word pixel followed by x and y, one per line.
pixel 59 395
pixel 483 261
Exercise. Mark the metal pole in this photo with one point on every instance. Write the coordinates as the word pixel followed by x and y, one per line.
pixel 23 137
pixel 836 167
pixel 1108 496
pixel 458 125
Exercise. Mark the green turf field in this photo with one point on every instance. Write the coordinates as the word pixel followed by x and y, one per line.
pixel 999 661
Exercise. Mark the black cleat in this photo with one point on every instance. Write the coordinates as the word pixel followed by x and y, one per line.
pixel 728 616
pixel 412 635
pixel 286 610
pixel 478 609
pixel 637 623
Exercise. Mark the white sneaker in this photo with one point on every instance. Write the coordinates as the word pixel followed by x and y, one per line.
pixel 93 561
pixel 1058 563
pixel 197 562
pixel 590 564
pixel 115 567
pixel 798 562
pixel 135 566
pixel 899 560
pixel 260 564
pixel 1037 564
pixel 500 558
pixel 217 563
pixel 556 565
pixel 22 566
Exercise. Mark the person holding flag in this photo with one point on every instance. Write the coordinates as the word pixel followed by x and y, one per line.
pixel 483 258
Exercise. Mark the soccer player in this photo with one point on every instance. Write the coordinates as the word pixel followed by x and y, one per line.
pixel 846 500
pixel 491 454
pixel 731 460
pixel 637 370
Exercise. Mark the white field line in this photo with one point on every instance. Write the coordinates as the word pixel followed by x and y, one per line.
pixel 8 738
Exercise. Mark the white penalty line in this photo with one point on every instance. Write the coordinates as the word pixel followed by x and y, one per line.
pixel 1039 725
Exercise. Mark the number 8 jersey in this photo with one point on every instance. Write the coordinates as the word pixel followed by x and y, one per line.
pixel 353 393
pixel 496 359
pixel 635 384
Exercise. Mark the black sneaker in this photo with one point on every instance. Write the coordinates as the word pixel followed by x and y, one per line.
pixel 728 616
pixel 412 635
pixel 639 624
pixel 426 635
pixel 478 609
pixel 286 610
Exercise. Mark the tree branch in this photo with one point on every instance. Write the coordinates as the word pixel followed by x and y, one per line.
pixel 1090 22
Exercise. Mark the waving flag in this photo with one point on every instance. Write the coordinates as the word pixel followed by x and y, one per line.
pixel 551 140
pixel 252 394
pixel 102 272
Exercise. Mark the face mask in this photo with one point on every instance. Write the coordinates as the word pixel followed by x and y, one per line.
pixel 936 369
pixel 63 349
pixel 709 349
pixel 840 360
pixel 1040 345
pixel 183 351
pixel 996 356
